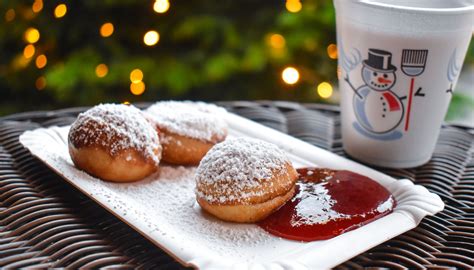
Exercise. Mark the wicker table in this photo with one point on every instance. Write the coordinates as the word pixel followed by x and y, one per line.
pixel 45 222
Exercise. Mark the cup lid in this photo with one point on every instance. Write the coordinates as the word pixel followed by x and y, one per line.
pixel 423 6
pixel 409 16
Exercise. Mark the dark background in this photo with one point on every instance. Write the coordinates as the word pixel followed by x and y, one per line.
pixel 207 50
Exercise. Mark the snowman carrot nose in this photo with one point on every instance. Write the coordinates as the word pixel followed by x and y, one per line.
pixel 383 80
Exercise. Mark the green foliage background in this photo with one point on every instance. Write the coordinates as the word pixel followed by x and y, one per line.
pixel 209 50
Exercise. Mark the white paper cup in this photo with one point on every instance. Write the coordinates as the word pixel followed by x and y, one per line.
pixel 399 61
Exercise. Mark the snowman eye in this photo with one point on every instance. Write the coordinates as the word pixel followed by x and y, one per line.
pixel 375 73
pixel 385 75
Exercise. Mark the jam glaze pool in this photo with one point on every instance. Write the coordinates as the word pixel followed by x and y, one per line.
pixel 328 203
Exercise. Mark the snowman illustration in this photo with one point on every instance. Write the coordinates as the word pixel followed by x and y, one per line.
pixel 378 110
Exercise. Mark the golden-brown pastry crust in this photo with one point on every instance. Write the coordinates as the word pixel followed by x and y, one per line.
pixel 127 166
pixel 246 213
pixel 244 180
pixel 182 150
pixel 279 184
pixel 114 142
pixel 187 129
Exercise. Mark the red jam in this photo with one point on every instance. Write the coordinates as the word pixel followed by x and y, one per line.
pixel 328 203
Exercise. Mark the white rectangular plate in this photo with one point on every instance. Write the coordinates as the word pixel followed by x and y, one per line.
pixel 163 208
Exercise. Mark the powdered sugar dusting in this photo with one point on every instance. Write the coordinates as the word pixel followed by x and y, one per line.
pixel 236 168
pixel 116 127
pixel 213 243
pixel 170 202
pixel 386 206
pixel 196 120
pixel 315 206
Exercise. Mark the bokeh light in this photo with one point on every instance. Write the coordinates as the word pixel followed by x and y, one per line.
pixel 277 41
pixel 293 5
pixel 40 83
pixel 29 51
pixel 10 15
pixel 60 10
pixel 101 70
pixel 325 90
pixel 20 62
pixel 332 51
pixel 41 61
pixel 290 75
pixel 44 46
pixel 107 29
pixel 37 6
pixel 126 102
pixel 32 35
pixel 161 6
pixel 151 38
pixel 137 88
pixel 136 75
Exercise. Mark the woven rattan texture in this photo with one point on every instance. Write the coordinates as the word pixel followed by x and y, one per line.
pixel 44 222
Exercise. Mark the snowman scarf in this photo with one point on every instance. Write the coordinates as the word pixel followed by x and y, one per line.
pixel 392 101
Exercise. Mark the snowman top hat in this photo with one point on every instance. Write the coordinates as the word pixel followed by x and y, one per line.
pixel 380 60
